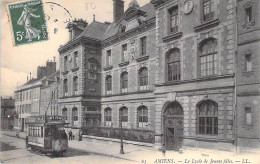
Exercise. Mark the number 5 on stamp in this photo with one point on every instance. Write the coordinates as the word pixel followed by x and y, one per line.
pixel 27 22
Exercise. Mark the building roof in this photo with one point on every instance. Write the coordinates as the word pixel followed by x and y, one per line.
pixel 31 81
pixel 94 30
pixel 113 29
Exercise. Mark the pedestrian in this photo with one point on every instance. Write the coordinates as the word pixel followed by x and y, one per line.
pixel 70 135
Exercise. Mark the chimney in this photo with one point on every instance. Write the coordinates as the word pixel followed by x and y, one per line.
pixel 54 58
pixel 30 75
pixel 118 10
pixel 27 78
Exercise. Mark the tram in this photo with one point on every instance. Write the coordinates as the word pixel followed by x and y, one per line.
pixel 46 134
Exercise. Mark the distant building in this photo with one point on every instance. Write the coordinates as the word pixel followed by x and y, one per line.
pixel 7 113
pixel 50 95
pixel 27 102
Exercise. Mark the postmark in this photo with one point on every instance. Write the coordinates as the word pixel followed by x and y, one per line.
pixel 27 22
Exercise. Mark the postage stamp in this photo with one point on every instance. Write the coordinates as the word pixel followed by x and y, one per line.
pixel 27 22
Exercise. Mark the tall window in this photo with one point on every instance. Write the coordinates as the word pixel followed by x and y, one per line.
pixel 124 53
pixel 207 117
pixel 248 62
pixel 124 82
pixel 208 10
pixel 249 14
pixel 142 117
pixel 64 113
pixel 57 92
pixel 123 116
pixel 143 78
pixel 65 63
pixel 173 65
pixel 76 62
pixel 92 66
pixel 65 87
pixel 109 58
pixel 208 57
pixel 248 116
pixel 143 46
pixel 75 85
pixel 108 117
pixel 109 85
pixel 174 22
pixel 74 116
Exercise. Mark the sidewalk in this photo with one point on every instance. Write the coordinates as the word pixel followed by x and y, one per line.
pixel 141 154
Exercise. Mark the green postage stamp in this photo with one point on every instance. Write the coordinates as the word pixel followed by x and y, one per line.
pixel 27 22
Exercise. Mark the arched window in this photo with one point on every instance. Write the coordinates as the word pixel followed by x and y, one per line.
pixel 74 116
pixel 108 117
pixel 142 117
pixel 208 57
pixel 207 113
pixel 124 82
pixel 109 85
pixel 65 87
pixel 64 113
pixel 143 78
pixel 75 85
pixel 173 65
pixel 123 116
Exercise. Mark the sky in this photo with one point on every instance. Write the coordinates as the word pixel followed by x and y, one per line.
pixel 17 62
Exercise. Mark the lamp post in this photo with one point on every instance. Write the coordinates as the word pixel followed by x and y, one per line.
pixel 121 130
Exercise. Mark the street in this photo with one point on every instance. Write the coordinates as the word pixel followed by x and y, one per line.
pixel 12 150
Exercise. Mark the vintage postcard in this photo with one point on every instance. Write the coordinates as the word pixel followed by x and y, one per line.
pixel 130 81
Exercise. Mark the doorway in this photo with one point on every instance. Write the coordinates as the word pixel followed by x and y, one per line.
pixel 173 126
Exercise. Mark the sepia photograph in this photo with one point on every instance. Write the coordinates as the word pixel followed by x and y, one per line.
pixel 130 82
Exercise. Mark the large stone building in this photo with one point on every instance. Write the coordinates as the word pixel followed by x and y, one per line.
pixel 80 67
pixel 248 74
pixel 7 113
pixel 195 99
pixel 172 73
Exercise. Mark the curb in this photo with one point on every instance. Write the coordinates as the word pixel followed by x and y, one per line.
pixel 82 150
pixel 104 154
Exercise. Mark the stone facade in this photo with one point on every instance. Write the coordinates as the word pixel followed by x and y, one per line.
pixel 80 86
pixel 248 75
pixel 193 87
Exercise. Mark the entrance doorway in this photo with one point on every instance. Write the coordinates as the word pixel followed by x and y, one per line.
pixel 173 126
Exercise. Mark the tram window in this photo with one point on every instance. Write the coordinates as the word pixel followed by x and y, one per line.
pixel 47 131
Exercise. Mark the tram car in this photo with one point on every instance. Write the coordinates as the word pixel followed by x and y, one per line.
pixel 47 135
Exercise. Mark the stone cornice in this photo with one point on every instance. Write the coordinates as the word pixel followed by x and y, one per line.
pixel 79 41
pixel 206 25
pixel 172 37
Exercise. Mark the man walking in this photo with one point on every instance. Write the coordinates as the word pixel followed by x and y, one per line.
pixel 70 135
